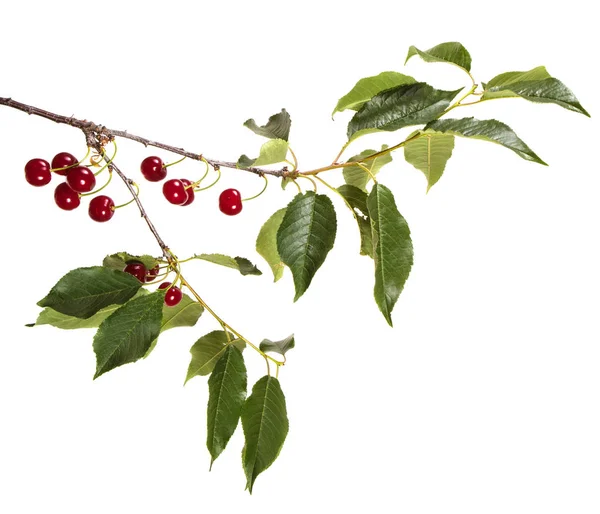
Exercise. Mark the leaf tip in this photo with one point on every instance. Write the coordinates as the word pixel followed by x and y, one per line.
pixel 29 325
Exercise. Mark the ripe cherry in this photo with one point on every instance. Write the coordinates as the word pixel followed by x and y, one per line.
pixel 189 191
pixel 175 192
pixel 173 295
pixel 153 169
pixel 137 269
pixel 65 197
pixel 102 208
pixel 37 172
pixel 152 273
pixel 230 202
pixel 62 160
pixel 81 179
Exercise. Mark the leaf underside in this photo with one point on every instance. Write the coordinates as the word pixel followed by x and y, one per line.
pixel 272 152
pixel 266 243
pixel 241 264
pixel 207 351
pixel 429 153
pixel 357 176
pixel 281 347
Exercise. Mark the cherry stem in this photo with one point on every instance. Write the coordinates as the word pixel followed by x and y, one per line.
pixel 262 191
pixel 197 183
pixel 218 170
pixel 174 163
pixel 136 196
pixel 109 160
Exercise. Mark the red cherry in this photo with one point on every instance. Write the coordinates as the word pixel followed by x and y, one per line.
pixel 137 269
pixel 102 208
pixel 37 172
pixel 175 192
pixel 164 285
pixel 230 202
pixel 62 160
pixel 65 197
pixel 152 274
pixel 189 191
pixel 81 179
pixel 153 169
pixel 173 296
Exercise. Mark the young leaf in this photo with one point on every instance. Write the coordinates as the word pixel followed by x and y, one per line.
pixel 121 259
pixel 452 52
pixel 265 424
pixel 399 107
pixel 185 314
pixel 226 395
pixel 487 130
pixel 51 317
pixel 272 152
pixel 127 333
pixel 357 198
pixel 305 237
pixel 243 265
pixel 393 250
pixel 278 126
pixel 357 176
pixel 280 347
pixel 535 85
pixel 266 243
pixel 84 291
pixel 367 88
pixel 429 153
pixel 207 351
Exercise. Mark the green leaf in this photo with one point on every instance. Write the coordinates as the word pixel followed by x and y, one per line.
pixel 452 52
pixel 185 314
pixel 357 199
pixel 305 237
pixel 266 243
pixel 280 347
pixel 486 130
pixel 357 176
pixel 429 153
pixel 84 291
pixel 126 335
pixel 402 106
pixel 51 317
pixel 272 152
pixel 278 126
pixel 243 265
pixel 393 250
pixel 121 259
pixel 368 87
pixel 535 85
pixel 226 395
pixel 265 424
pixel 207 351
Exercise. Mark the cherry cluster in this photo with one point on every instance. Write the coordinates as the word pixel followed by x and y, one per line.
pixel 173 295
pixel 182 191
pixel 79 180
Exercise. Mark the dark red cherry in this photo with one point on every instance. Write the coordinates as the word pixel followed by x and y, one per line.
pixel 102 208
pixel 153 169
pixel 164 285
pixel 62 160
pixel 173 296
pixel 230 202
pixel 81 179
pixel 137 269
pixel 174 191
pixel 37 172
pixel 189 191
pixel 65 197
pixel 152 273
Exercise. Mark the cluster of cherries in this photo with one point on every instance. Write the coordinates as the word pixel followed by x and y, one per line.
pixel 79 180
pixel 173 295
pixel 181 191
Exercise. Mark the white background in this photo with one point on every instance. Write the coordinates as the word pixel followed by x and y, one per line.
pixel 482 399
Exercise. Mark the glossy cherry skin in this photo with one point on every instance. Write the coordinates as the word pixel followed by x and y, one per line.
pixel 66 198
pixel 62 160
pixel 173 296
pixel 37 172
pixel 102 208
pixel 189 191
pixel 137 269
pixel 153 169
pixel 164 285
pixel 230 202
pixel 152 273
pixel 175 192
pixel 81 179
